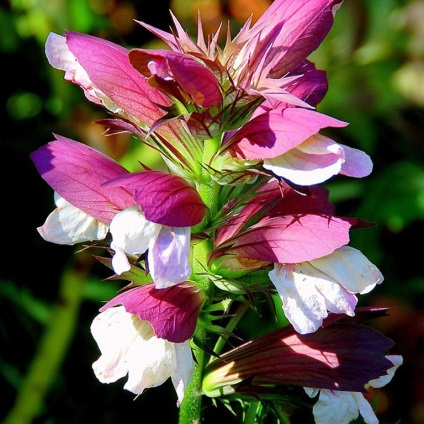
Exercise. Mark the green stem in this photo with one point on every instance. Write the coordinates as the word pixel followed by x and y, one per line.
pixel 250 417
pixel 52 349
pixel 208 189
pixel 232 323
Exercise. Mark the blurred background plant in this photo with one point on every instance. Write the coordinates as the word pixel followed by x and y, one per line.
pixel 374 58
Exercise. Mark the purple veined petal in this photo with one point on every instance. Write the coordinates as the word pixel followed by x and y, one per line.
pixel 397 361
pixel 169 256
pixel 274 133
pixel 313 201
pixel 77 173
pixel 344 356
pixel 311 85
pixel 172 312
pixel 164 198
pixel 60 57
pixel 193 77
pixel 357 163
pixel 109 69
pixel 291 239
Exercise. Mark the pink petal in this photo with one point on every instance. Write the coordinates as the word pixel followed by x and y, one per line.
pixel 193 77
pixel 172 312
pixel 267 196
pixel 77 173
pixel 110 71
pixel 305 23
pixel 277 198
pixel 291 239
pixel 274 133
pixel 164 198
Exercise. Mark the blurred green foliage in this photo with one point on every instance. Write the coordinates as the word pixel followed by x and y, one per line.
pixel 374 57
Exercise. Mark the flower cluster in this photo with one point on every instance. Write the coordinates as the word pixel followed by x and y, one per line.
pixel 239 212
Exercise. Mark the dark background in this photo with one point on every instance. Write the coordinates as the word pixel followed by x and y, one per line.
pixel 374 57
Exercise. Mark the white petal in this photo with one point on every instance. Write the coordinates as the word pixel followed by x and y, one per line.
pixel 115 331
pixel 131 233
pixel 335 407
pixel 69 225
pixel 169 257
pixel 365 408
pixel 57 52
pixel 397 361
pixel 358 164
pixel 307 294
pixel 303 306
pixel 314 161
pixel 150 364
pixel 129 347
pixel 350 268
pixel 184 369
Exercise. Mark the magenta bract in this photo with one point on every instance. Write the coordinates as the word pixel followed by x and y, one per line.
pixel 172 312
pixel 109 69
pixel 192 77
pixel 164 198
pixel 290 238
pixel 274 133
pixel 294 29
pixel 77 173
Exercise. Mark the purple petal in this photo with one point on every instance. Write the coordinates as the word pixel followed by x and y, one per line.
pixel 77 173
pixel 311 85
pixel 274 133
pixel 291 239
pixel 110 71
pixel 164 198
pixel 194 78
pixel 172 312
pixel 358 164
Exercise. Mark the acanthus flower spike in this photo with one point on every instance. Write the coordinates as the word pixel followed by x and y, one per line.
pixel 234 215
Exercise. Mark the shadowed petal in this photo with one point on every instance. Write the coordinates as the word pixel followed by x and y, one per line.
pixel 344 356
